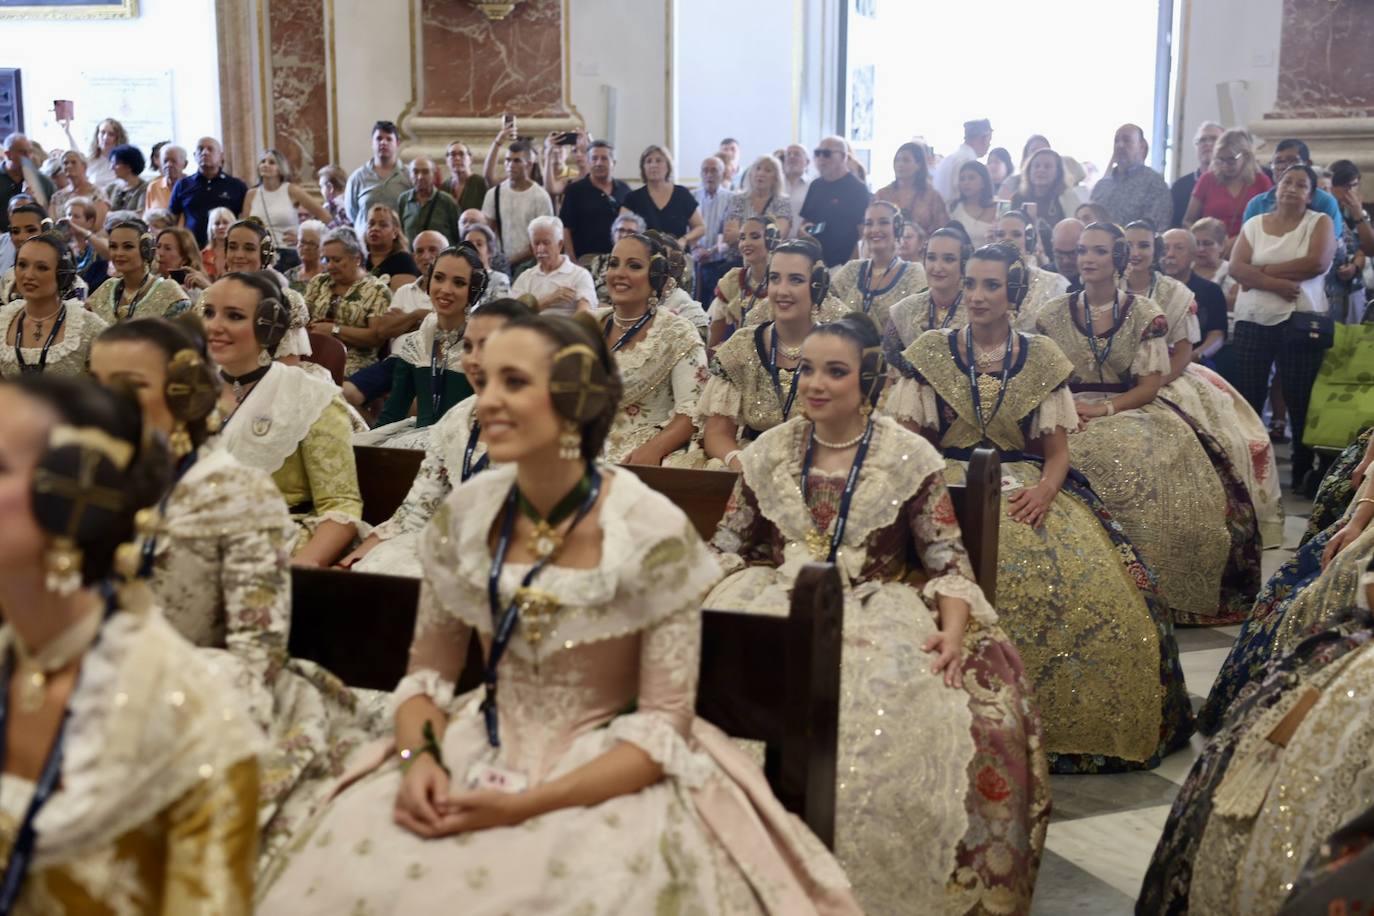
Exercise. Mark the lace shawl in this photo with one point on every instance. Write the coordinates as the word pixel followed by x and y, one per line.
pixel 274 418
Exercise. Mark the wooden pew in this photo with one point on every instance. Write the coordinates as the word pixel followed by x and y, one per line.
pixel 384 478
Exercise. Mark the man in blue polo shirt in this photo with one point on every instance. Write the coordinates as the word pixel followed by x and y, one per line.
pixel 194 196
pixel 1286 155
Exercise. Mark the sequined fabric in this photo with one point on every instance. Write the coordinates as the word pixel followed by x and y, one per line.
pixel 845 286
pixel 663 374
pixel 1336 490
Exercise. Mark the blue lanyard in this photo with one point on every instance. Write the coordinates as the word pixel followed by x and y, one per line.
pixel 469 469
pixel 866 274
pixel 949 316
pixel 851 484
pixel 973 383
pixel 43 354
pixel 1091 330
pixel 628 335
pixel 771 365
pixel 505 622
pixel 21 855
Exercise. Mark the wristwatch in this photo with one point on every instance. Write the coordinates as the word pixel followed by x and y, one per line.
pixel 335 332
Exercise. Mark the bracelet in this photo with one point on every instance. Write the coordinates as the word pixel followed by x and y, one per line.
pixel 1111 408
pixel 1362 500
pixel 731 456
pixel 430 746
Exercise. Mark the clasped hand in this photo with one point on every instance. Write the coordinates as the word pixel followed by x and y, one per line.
pixel 425 807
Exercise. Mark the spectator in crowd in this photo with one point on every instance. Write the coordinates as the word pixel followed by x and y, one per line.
pixel 795 163
pixel 79 184
pixel 159 218
pixel 276 202
pixel 128 190
pixel 1280 260
pixel 178 259
pixel 388 252
pixel 1176 261
pixel 1089 213
pixel 1034 143
pixel 713 253
pixel 483 241
pixel 208 188
pixel 172 169
pixel 835 203
pixel 80 224
pixel 1064 248
pixel 512 205
pixel 591 204
pixel 332 182
pixel 410 303
pixel 975 209
pixel 564 163
pixel 1204 141
pixel 212 255
pixel 379 180
pixel 109 133
pixel 1288 154
pixel 1345 288
pixel 346 302
pixel 977 141
pixel 911 245
pixel 665 206
pixel 463 186
pixel 1044 191
pixel 424 206
pixel 763 195
pixel 555 283
pixel 310 235
pixel 911 190
pixel 728 154
pixel 20 175
pixel 1000 166
pixel 1131 190
pixel 1227 186
pixel 155 158
pixel 470 218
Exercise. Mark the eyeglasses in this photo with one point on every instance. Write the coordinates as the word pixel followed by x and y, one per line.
pixel 824 153
pixel 1286 163
pixel 1228 159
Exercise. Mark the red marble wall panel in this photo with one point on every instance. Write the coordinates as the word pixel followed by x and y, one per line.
pixel 1326 59
pixel 476 67
pixel 298 81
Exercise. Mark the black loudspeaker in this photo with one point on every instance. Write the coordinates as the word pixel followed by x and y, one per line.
pixel 11 102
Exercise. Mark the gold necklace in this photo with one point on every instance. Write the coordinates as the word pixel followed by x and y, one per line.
pixel 625 322
pixel 35 668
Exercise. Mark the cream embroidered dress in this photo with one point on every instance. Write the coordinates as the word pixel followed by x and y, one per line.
pixel 943 797
pixel 742 388
pixel 909 319
pixel 1148 465
pixel 70 355
pixel 663 373
pixel 1218 408
pixel 853 284
pixel 736 295
pixel 222 570
pixel 398 554
pixel 163 299
pixel 708 838
pixel 154 811
pixel 296 427
pixel 1044 286
pixel 1073 594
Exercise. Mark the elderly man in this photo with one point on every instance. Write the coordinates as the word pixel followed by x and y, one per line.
pixel 835 204
pixel 795 163
pixel 1064 247
pixel 513 204
pixel 712 251
pixel 172 169
pixel 590 204
pixel 555 283
pixel 1177 262
pixel 379 180
pixel 1131 190
pixel 465 187
pixel 977 139
pixel 20 176
pixel 728 154
pixel 1204 141
pixel 425 206
pixel 194 196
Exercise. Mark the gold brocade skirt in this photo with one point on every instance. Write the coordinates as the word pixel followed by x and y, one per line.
pixel 1334 591
pixel 1158 482
pixel 1069 602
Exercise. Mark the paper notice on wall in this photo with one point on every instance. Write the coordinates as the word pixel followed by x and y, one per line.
pixel 140 100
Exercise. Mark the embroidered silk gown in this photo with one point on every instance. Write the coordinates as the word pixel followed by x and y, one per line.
pixel 1044 286
pixel 164 298
pixel 662 373
pixel 909 319
pixel 222 571
pixel 743 388
pixel 943 798
pixel 154 810
pixel 735 297
pixel 707 838
pixel 853 284
pixel 1081 607
pixel 69 355
pixel 413 384
pixel 1152 469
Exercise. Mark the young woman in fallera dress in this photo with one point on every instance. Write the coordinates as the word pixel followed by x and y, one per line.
pixel 941 305
pixel 46 330
pixel 584 588
pixel 874 284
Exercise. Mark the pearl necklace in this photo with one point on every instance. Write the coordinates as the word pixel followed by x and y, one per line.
pixel 989 357
pixel 625 322
pixel 848 443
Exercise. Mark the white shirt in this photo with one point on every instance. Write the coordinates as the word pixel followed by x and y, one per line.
pixel 567 275
pixel 1266 308
pixel 946 177
pixel 411 298
pixel 798 195
pixel 518 208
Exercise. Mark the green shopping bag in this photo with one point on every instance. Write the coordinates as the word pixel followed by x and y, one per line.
pixel 1342 401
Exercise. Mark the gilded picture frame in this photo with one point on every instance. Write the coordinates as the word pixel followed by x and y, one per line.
pixel 68 9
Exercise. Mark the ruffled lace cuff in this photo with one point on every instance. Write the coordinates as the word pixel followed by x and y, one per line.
pixel 957 586
pixel 296 342
pixel 719 398
pixel 655 737
pixel 423 683
pixel 1151 358
pixel 1054 412
pixel 911 401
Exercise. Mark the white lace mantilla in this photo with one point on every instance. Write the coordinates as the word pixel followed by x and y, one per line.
pixel 277 414
pixel 415 348
pixel 296 341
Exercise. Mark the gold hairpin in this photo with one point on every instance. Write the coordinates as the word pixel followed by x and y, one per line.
pixel 119 452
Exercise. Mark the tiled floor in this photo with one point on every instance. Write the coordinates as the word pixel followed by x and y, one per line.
pixel 1104 828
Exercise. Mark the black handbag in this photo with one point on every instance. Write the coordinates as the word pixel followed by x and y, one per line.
pixel 1310 331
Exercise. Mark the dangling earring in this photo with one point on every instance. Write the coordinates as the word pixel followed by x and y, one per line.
pixel 570 441
pixel 128 558
pixel 653 302
pixel 865 409
pixel 264 358
pixel 180 440
pixel 214 421
pixel 62 567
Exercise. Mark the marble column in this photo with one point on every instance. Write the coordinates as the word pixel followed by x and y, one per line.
pixel 299 84
pixel 1326 81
